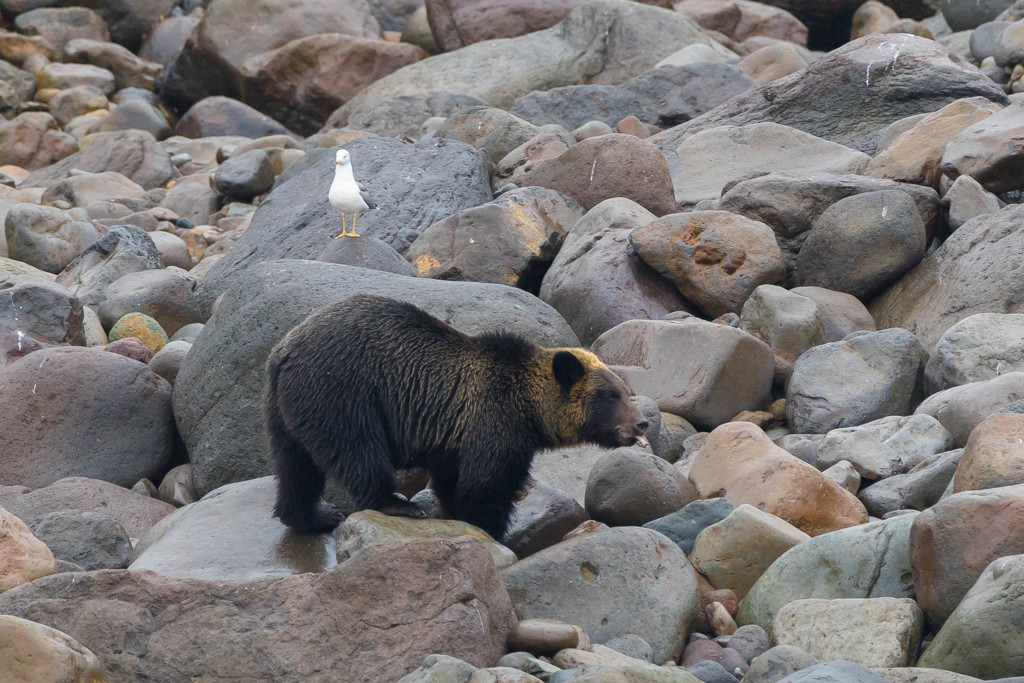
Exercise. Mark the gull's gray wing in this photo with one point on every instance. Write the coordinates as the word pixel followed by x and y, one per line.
pixel 365 195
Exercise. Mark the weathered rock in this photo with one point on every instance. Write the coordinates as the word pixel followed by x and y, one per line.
pixel 947 286
pixel 134 512
pixel 989 151
pixel 167 39
pixel 664 96
pixel 704 163
pixel 108 417
pixel 608 166
pixel 735 552
pixel 301 82
pixel 841 313
pixel 976 349
pixel 833 672
pixel 25 557
pixel 215 387
pixel 61 25
pixel 597 281
pixel 863 243
pixel 213 60
pixel 777 663
pixel 542 518
pixel 993 456
pixel 866 561
pixel 46 237
pixel 683 526
pixel 510 240
pixel 628 487
pixel 37 306
pixel 76 101
pixel 866 631
pixel 788 322
pixel 402 116
pixel 963 408
pixel 411 184
pixel 702 371
pixel 965 199
pixel 918 489
pixel 572 52
pixel 866 376
pixel 920 675
pixel 634 580
pixel 916 155
pixel 124 249
pixel 492 130
pixel 967 15
pixel 952 542
pixel 245 176
pixel 716 258
pixel 982 637
pixel 367 252
pixel 18 87
pixel 176 486
pixel 241 539
pixel 221 116
pixel 33 140
pixel 346 623
pixel 861 79
pixel 772 62
pixel 33 652
pixel 544 636
pixel 90 540
pixel 740 462
pixel 142 327
pixel 86 189
pixel 134 154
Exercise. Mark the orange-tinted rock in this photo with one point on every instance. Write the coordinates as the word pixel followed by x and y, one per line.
pixel 773 61
pixel 23 557
pixel 740 462
pixel 994 455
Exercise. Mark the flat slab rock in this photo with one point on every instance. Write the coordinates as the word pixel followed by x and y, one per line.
pixel 347 624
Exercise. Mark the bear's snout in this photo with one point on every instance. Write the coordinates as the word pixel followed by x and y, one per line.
pixel 641 426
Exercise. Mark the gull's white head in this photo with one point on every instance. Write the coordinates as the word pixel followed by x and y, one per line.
pixel 342 158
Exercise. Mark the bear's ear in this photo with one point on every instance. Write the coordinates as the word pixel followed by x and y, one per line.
pixel 567 368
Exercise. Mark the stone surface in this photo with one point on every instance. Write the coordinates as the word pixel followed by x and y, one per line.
pixel 492 130
pixel 967 15
pixel 702 164
pixel 218 115
pixel 510 240
pixel 863 243
pixel 869 632
pixel 542 518
pixel 597 281
pixel 343 623
pixel 861 78
pixel 216 387
pixel 109 418
pixel 918 489
pixel 633 581
pixel 990 151
pixel 866 376
pixel 368 252
pixel 777 663
pixel 166 295
pixel 245 176
pixel 25 557
pixel 141 327
pixel 33 140
pixel 993 456
pixel 963 408
pixel 976 349
pixel 948 286
pixel 716 259
pixel 740 462
pixel 124 249
pixel 88 539
pixel 135 513
pixel 702 371
pixel 37 306
pixel 628 487
pixel 231 534
pixel 46 237
pixel 952 542
pixel 684 525
pixel 833 672
pixel 33 652
pixel 866 561
pixel 787 321
pixel 134 154
pixel 410 184
pixel 735 552
pixel 982 637
pixel 965 199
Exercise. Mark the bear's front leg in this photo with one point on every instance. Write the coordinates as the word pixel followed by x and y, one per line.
pixel 488 487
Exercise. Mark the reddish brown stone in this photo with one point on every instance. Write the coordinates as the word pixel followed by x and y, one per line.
pixel 33 140
pixel 994 455
pixel 130 347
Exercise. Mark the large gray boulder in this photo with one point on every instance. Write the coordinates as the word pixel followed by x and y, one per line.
pixel 412 186
pixel 134 154
pixel 218 388
pixel 871 82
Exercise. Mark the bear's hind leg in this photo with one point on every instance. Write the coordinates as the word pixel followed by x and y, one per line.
pixel 300 483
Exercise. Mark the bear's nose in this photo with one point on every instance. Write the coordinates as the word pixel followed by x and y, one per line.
pixel 641 426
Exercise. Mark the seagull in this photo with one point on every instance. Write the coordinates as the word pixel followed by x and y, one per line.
pixel 346 195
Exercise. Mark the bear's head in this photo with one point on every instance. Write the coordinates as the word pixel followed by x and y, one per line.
pixel 594 402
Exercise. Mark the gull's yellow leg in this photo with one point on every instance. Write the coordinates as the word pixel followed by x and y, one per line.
pixel 343 228
pixel 354 233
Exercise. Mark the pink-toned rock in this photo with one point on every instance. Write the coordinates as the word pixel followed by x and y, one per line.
pixel 773 61
pixel 953 541
pixel 916 155
pixel 715 258
pixel 872 17
pixel 130 347
pixel 23 557
pixel 741 463
pixel 718 15
pixel 33 140
pixel 608 166
pixel 993 456
pixel 761 19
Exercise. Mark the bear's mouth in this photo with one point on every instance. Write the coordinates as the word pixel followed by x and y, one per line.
pixel 626 437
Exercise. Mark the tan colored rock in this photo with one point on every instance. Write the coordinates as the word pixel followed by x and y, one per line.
pixel 735 552
pixel 869 632
pixel 721 622
pixel 989 150
pixel 741 463
pixel 773 61
pixel 872 17
pixel 994 455
pixel 715 258
pixel 543 636
pixel 23 557
pixel 34 652
pixel 916 155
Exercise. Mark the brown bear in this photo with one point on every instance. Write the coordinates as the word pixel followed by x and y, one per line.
pixel 369 385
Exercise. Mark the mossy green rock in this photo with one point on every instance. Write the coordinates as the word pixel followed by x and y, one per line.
pixel 142 327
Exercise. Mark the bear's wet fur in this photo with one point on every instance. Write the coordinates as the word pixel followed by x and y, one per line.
pixel 369 385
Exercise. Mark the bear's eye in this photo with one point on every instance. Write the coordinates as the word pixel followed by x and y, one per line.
pixel 613 396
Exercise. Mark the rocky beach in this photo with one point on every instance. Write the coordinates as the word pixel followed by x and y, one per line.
pixel 795 228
